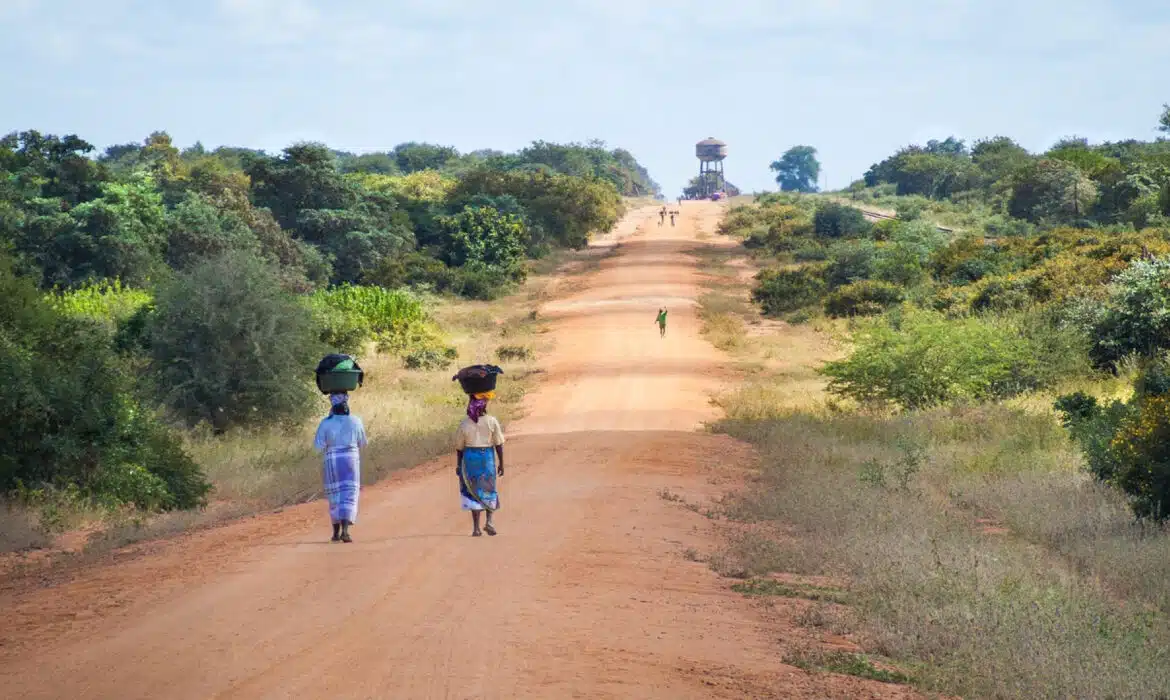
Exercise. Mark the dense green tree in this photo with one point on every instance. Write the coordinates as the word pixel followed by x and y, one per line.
pixel 950 146
pixel 590 160
pixel 1164 120
pixel 58 167
pixel 998 159
pixel 231 347
pixel 933 175
pixel 566 208
pixel 1052 191
pixel 376 163
pixel 798 169
pixel 198 229
pixel 303 177
pixel 412 157
pixel 120 235
pixel 485 235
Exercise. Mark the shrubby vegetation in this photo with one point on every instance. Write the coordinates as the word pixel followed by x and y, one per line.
pixel 151 288
pixel 1059 272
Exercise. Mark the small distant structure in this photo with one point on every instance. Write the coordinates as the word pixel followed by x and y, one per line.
pixel 710 152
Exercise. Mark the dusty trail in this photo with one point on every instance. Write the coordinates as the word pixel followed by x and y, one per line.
pixel 584 594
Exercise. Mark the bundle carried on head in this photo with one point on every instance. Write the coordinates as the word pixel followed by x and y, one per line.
pixel 337 374
pixel 478 380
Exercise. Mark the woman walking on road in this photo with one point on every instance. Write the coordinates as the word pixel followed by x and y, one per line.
pixel 341 436
pixel 479 459
pixel 661 321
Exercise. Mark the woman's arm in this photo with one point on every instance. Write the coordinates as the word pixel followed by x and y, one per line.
pixel 458 461
pixel 320 442
pixel 361 433
pixel 500 460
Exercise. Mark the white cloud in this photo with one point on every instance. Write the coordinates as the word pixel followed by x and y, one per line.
pixel 271 21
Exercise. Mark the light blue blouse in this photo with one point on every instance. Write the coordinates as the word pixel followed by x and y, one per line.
pixel 340 431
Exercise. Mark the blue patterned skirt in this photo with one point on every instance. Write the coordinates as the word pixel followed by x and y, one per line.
pixel 343 482
pixel 477 487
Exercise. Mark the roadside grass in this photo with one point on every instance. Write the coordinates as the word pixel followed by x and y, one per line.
pixel 988 613
pixel 20 530
pixel 772 587
pixel 846 663
pixel 777 360
pixel 975 548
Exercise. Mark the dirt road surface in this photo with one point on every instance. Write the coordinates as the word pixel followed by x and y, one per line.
pixel 585 593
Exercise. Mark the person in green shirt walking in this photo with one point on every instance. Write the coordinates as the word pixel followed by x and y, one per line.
pixel 661 321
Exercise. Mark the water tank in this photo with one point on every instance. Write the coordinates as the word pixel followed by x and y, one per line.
pixel 711 149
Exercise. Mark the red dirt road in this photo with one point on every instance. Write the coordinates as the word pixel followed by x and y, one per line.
pixel 585 593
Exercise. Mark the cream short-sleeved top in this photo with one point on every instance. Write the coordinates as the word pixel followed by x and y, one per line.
pixel 486 433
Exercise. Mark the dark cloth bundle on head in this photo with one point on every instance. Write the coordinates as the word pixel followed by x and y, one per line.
pixel 478 379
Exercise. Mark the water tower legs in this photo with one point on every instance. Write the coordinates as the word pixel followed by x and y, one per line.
pixel 710 177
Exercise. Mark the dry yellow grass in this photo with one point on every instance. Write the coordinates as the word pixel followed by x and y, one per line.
pixel 977 551
pixel 409 415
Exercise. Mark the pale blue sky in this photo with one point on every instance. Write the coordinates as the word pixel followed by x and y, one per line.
pixel 854 78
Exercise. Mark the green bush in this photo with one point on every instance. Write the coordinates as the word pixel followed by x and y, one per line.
pixel 864 298
pixel 430 358
pixel 1002 294
pixel 485 236
pixel 810 251
pixel 780 291
pixel 1093 426
pixel 1139 456
pixel 480 282
pixel 1135 319
pixel 849 262
pixel 833 220
pixel 904 260
pixel 71 418
pixel 916 359
pixel 231 347
pixel 341 330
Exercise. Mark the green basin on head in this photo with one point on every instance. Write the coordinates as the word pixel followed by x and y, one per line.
pixel 330 382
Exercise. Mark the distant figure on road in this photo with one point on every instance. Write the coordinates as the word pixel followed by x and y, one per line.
pixel 341 436
pixel 662 216
pixel 479 459
pixel 672 215
pixel 661 321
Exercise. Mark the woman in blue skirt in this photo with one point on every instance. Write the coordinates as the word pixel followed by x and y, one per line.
pixel 479 459
pixel 341 436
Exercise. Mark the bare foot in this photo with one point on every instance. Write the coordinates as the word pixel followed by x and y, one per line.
pixel 490 529
pixel 476 533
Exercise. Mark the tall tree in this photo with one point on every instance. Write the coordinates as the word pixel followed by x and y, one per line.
pixel 798 169
pixel 1164 122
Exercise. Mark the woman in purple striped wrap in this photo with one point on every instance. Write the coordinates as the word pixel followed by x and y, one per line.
pixel 340 436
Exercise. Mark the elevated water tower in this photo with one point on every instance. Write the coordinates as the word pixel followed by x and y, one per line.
pixel 710 152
